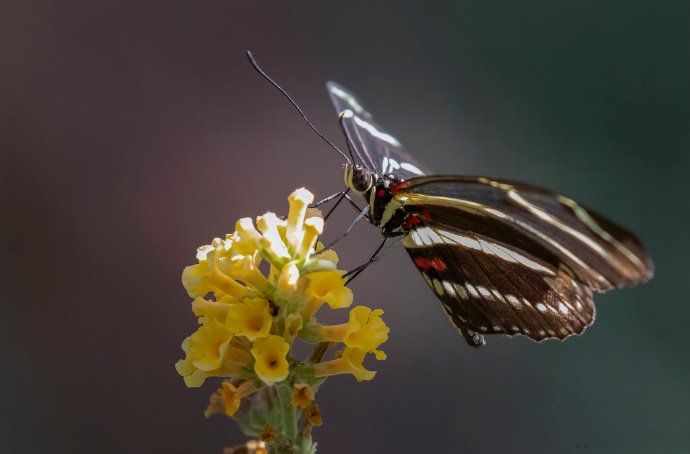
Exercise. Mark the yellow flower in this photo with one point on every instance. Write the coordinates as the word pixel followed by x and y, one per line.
pixel 271 241
pixel 299 202
pixel 269 353
pixel 288 281
pixel 328 287
pixel 302 395
pixel 232 396
pixel 365 330
pixel 207 276
pixel 215 405
pixel 207 346
pixel 254 292
pixel 313 414
pixel 349 363
pixel 250 318
pixel 293 325
pixel 212 310
pixel 210 352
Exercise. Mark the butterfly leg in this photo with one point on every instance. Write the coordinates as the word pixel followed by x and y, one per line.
pixel 348 230
pixel 329 198
pixel 341 195
pixel 353 273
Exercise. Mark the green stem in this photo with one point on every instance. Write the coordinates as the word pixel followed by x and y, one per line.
pixel 290 419
pixel 288 411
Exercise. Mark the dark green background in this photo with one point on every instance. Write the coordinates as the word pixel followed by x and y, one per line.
pixel 133 131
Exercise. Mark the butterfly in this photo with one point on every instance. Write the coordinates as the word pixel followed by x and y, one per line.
pixel 502 257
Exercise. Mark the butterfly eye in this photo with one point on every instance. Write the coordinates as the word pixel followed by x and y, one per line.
pixel 358 178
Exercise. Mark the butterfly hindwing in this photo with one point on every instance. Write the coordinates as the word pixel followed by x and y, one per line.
pixel 491 288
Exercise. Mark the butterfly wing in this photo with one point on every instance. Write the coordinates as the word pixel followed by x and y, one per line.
pixel 490 288
pixel 510 258
pixel 373 147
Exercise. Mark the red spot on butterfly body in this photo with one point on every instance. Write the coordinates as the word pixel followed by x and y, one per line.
pixel 426 215
pixel 435 263
pixel 411 221
pixel 399 186
pixel 381 192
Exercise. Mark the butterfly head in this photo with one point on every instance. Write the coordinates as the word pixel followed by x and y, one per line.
pixel 357 178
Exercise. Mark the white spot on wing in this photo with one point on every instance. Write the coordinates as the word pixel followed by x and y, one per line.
pixel 448 287
pixel 541 307
pixel 393 164
pixel 514 301
pixel 410 168
pixel 427 236
pixel 472 290
pixel 348 98
pixel 462 240
pixel 510 255
pixel 485 292
pixel 371 129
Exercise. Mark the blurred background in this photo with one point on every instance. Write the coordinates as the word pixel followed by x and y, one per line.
pixel 132 132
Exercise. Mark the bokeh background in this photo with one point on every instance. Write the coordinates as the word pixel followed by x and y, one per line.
pixel 133 131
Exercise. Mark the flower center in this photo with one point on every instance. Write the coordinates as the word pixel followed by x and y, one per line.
pixel 256 323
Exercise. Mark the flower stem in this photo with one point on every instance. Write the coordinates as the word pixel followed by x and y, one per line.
pixel 286 417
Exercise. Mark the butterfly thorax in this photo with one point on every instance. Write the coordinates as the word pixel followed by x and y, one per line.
pixel 387 211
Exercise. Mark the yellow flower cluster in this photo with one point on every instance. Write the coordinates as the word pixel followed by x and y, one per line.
pixel 258 290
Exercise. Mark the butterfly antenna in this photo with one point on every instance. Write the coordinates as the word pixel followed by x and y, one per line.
pixel 294 104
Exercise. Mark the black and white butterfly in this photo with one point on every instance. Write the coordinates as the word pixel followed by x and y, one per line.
pixel 503 257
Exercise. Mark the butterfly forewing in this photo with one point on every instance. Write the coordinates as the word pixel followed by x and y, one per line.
pixel 549 226
pixel 373 147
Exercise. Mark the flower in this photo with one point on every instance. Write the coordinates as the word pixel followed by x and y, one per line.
pixel 269 355
pixel 250 318
pixel 206 276
pixel 210 352
pixel 349 363
pixel 212 310
pixel 232 395
pixel 251 447
pixel 365 330
pixel 255 295
pixel 293 325
pixel 313 414
pixel 302 395
pixel 326 287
